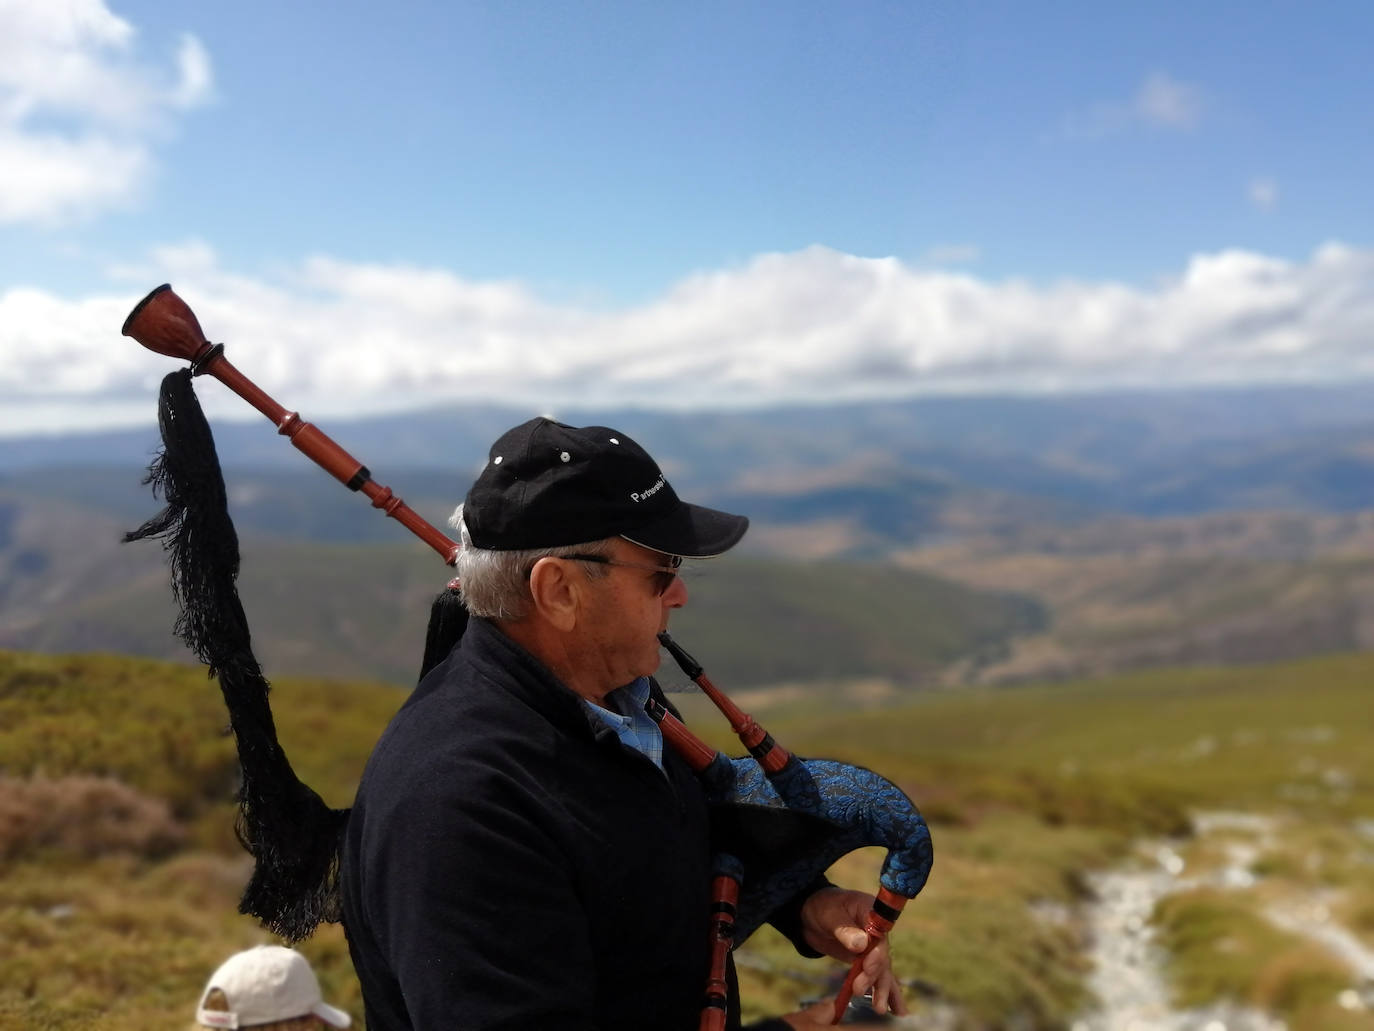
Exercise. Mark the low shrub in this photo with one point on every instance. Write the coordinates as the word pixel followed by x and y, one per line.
pixel 83 816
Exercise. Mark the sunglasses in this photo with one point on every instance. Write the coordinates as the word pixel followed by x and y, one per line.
pixel 663 575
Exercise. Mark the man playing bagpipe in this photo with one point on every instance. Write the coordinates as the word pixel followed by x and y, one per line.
pixel 523 852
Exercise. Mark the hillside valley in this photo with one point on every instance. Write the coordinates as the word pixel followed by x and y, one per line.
pixel 360 609
pixel 999 600
pixel 931 542
pixel 1127 592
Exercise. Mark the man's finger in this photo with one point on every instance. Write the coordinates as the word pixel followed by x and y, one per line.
pixel 877 959
pixel 852 938
pixel 884 991
pixel 879 1002
pixel 894 997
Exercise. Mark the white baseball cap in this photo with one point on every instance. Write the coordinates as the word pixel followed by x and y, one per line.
pixel 266 984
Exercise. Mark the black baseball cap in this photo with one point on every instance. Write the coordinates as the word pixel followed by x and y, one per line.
pixel 547 484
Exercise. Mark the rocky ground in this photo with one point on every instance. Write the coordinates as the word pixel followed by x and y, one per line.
pixel 1128 976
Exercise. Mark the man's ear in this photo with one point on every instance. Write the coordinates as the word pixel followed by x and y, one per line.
pixel 556 592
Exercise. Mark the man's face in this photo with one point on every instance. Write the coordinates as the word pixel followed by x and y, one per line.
pixel 628 608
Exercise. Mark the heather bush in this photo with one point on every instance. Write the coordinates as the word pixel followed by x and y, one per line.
pixel 84 816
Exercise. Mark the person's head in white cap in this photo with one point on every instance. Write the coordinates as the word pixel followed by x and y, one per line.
pixel 267 987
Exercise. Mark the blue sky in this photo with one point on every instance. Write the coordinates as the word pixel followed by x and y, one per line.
pixel 704 203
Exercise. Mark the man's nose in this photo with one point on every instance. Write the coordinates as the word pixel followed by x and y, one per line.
pixel 676 596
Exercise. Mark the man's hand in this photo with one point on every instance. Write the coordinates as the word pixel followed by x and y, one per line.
pixel 832 923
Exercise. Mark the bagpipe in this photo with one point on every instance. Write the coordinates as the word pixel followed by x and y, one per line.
pixel 783 819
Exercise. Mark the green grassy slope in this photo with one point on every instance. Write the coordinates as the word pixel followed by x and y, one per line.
pixel 119 875
pixel 1259 736
pixel 162 730
pixel 114 921
pixel 1029 788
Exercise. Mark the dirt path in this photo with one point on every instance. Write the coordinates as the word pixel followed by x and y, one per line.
pixel 1127 977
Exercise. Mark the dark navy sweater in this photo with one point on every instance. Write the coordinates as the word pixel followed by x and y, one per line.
pixel 507 865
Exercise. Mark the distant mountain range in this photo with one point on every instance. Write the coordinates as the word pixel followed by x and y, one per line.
pixel 1067 535
pixel 1166 453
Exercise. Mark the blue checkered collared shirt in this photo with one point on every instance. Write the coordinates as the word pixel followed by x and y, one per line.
pixel 624 713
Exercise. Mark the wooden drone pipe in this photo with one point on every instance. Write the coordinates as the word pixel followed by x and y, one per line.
pixel 164 323
pixel 724 899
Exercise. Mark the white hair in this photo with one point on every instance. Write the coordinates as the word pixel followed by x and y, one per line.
pixel 496 584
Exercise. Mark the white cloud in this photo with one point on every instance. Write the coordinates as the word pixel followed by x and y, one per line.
pixel 44 178
pixel 1164 101
pixel 331 337
pixel 1160 101
pixel 1264 194
pixel 80 111
pixel 195 79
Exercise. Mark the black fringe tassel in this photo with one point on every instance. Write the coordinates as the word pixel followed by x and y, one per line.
pixel 292 835
pixel 448 618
